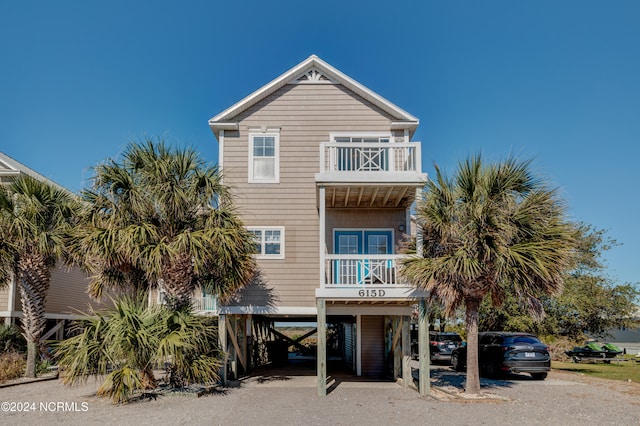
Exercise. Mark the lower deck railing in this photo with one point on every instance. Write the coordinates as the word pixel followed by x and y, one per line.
pixel 362 270
pixel 205 303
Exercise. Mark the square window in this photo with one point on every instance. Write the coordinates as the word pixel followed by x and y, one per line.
pixel 269 242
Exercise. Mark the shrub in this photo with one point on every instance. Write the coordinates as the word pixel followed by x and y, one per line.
pixel 124 344
pixel 11 339
pixel 12 365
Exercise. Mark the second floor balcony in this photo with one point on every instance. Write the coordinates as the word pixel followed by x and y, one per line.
pixel 366 157
pixel 370 174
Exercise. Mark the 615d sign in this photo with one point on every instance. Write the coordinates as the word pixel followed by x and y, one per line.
pixel 373 292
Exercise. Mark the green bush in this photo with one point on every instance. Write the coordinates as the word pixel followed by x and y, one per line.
pixel 11 339
pixel 12 365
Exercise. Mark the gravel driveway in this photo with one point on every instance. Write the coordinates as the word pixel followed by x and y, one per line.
pixel 564 398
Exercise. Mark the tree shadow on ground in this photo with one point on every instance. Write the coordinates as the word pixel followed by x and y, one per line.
pixel 446 377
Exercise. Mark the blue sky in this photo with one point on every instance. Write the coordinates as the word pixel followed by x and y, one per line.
pixel 555 81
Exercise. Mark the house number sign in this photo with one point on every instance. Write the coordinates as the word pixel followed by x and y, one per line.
pixel 371 293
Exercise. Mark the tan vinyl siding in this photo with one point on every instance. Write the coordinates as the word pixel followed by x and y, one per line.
pixel 4 298
pixel 372 341
pixel 305 114
pixel 68 292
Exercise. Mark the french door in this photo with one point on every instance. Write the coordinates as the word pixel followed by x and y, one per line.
pixel 361 267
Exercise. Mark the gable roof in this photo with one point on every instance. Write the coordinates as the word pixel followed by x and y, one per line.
pixel 312 69
pixel 12 168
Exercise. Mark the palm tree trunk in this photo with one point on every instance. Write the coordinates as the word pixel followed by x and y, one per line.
pixel 178 282
pixel 473 371
pixel 33 278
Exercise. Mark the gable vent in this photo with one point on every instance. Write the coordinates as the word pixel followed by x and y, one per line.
pixel 313 76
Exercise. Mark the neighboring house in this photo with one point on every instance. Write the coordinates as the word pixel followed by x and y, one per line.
pixel 68 289
pixel 325 173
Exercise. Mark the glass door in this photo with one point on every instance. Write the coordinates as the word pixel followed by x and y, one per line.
pixel 362 269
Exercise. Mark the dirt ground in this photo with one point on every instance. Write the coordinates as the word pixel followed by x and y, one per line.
pixel 277 398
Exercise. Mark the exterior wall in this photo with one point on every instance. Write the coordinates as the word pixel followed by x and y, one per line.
pixel 4 299
pixel 305 115
pixel 68 292
pixel 372 353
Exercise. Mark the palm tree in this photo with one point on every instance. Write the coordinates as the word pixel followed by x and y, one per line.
pixel 162 217
pixel 123 344
pixel 35 219
pixel 491 230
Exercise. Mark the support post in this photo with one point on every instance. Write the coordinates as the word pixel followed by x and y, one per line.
pixel 222 340
pixel 407 377
pixel 322 347
pixel 396 347
pixel 423 348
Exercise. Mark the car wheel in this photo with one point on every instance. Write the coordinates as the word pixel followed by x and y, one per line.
pixel 456 363
pixel 492 371
pixel 539 376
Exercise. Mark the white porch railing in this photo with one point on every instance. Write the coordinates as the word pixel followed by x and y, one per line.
pixel 205 303
pixel 362 270
pixel 370 157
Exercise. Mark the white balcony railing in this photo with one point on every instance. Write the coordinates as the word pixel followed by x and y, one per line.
pixel 370 157
pixel 205 303
pixel 362 270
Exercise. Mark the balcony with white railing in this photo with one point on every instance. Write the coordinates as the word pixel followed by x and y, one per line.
pixel 361 270
pixel 358 277
pixel 207 303
pixel 373 157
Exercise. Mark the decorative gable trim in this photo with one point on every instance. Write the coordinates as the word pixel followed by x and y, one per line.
pixel 313 76
pixel 313 70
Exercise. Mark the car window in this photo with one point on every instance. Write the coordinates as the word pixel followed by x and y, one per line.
pixel 445 337
pixel 527 340
pixel 486 339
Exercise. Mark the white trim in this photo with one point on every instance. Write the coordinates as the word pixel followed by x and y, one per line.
pixel 353 293
pixel 368 310
pixel 11 302
pixel 294 73
pixel 262 254
pixel 21 168
pixel 323 240
pixel 268 310
pixel 220 153
pixel 334 135
pixel 226 126
pixel 276 154
pixel 19 314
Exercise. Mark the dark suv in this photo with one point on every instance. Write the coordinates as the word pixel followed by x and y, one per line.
pixel 501 352
pixel 441 344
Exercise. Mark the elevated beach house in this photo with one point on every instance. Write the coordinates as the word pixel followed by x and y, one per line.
pixel 325 173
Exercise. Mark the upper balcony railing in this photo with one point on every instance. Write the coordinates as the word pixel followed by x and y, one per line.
pixel 354 157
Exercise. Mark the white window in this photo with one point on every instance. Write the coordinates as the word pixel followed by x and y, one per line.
pixel 269 242
pixel 365 139
pixel 264 153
